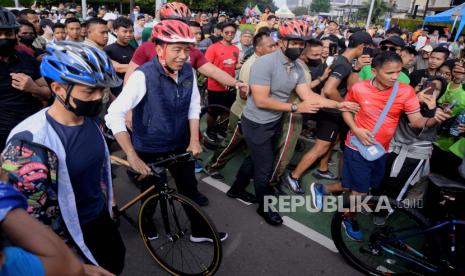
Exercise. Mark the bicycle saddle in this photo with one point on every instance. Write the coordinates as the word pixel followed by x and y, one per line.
pixel 446 183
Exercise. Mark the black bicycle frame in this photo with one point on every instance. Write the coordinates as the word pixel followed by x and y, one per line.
pixel 452 258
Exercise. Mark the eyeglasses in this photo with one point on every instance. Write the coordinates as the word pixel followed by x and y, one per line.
pixel 229 33
pixel 392 49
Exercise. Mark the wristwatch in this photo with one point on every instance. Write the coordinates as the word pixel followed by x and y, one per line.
pixel 293 108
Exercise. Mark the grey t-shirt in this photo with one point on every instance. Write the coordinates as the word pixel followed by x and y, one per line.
pixel 282 75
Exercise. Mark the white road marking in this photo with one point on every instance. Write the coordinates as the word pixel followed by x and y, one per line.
pixel 289 222
pixel 220 186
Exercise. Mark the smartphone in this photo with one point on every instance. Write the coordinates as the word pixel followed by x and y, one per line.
pixel 332 49
pixel 448 106
pixel 431 85
pixel 422 82
pixel 367 51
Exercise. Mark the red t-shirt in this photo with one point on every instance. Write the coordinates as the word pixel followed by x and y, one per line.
pixel 146 52
pixel 25 49
pixel 372 102
pixel 225 58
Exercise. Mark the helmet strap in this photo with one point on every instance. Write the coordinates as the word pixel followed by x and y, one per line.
pixel 65 102
pixel 163 60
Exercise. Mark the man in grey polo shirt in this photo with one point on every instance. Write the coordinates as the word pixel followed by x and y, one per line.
pixel 273 77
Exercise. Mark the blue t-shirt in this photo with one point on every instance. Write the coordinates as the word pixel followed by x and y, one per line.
pixel 19 262
pixel 85 154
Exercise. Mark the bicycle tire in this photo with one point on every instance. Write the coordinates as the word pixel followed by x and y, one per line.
pixel 210 268
pixel 337 233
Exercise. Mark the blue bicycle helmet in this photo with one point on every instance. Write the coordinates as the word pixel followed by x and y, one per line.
pixel 76 63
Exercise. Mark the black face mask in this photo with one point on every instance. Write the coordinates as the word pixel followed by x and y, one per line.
pixel 314 62
pixel 293 53
pixel 27 40
pixel 7 46
pixel 86 108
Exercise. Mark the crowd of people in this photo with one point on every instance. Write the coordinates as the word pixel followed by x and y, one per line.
pixel 393 102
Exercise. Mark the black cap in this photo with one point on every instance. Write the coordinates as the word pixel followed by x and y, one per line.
pixel 396 40
pixel 359 38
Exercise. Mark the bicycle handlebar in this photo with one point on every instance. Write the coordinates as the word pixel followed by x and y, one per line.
pixel 162 163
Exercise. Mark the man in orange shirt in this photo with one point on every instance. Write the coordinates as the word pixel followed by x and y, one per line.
pixel 225 56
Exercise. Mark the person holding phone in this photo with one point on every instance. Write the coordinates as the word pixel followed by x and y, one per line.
pixel 411 148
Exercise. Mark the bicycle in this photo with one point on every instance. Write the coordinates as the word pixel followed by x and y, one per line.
pixel 407 244
pixel 173 217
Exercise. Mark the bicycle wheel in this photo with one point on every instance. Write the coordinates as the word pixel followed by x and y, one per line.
pixel 171 216
pixel 213 136
pixel 382 252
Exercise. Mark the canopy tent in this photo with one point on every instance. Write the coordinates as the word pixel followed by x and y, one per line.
pixel 451 16
pixel 284 12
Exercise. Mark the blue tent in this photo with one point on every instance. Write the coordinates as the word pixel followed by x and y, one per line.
pixel 449 17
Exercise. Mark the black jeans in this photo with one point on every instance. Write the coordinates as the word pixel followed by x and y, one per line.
pixel 103 239
pixel 261 139
pixel 186 183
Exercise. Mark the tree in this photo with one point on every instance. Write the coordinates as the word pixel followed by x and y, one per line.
pixel 379 9
pixel 229 6
pixel 298 11
pixel 320 6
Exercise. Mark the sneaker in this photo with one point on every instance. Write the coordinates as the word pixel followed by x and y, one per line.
pixel 210 135
pixel 198 167
pixel 203 238
pixel 352 229
pixel 317 192
pixel 221 135
pixel 242 195
pixel 216 175
pixel 200 199
pixel 293 184
pixel 150 230
pixel 324 175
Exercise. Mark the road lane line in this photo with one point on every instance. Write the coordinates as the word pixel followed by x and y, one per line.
pixel 289 222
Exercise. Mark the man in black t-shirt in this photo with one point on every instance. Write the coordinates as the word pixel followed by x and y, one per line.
pixel 22 89
pixel 121 51
pixel 330 122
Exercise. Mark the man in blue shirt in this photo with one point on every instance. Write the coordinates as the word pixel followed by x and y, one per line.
pixel 68 140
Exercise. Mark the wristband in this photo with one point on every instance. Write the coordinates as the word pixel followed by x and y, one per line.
pixel 355 71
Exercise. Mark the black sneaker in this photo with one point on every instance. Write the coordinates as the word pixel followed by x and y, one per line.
pixel 293 184
pixel 204 238
pixel 211 136
pixel 242 195
pixel 200 199
pixel 216 175
pixel 324 175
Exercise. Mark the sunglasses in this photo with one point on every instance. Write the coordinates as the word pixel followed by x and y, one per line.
pixel 229 33
pixel 386 48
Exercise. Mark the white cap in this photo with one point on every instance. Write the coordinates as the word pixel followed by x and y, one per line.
pixel 109 16
pixel 427 48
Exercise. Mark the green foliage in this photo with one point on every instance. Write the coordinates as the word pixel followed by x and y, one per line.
pixel 379 9
pixel 298 11
pixel 320 6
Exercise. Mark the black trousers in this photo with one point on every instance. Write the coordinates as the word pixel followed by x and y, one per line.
pixel 261 139
pixel 103 239
pixel 186 183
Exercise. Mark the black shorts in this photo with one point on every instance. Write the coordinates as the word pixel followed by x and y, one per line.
pixel 224 98
pixel 328 126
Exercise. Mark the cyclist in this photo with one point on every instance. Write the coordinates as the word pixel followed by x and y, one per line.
pixel 77 196
pixel 146 52
pixel 165 100
pixel 273 77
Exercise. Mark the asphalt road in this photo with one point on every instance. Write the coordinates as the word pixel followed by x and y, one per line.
pixel 253 247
